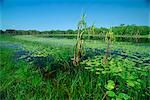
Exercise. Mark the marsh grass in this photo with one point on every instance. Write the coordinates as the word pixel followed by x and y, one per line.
pixel 21 80
pixel 24 81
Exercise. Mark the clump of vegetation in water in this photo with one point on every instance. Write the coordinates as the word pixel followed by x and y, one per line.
pixel 108 39
pixel 81 31
pixel 91 30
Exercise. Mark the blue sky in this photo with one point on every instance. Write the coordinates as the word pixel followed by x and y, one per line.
pixel 64 14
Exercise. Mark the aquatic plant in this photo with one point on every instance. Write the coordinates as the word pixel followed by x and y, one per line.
pixel 81 30
pixel 108 39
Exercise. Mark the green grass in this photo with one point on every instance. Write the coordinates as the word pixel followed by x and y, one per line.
pixel 22 80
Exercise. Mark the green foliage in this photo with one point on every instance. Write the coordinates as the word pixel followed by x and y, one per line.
pixel 110 93
pixel 21 80
pixel 78 47
pixel 123 96
pixel 121 78
pixel 110 85
pixel 109 36
pixel 119 75
pixel 128 33
pixel 118 30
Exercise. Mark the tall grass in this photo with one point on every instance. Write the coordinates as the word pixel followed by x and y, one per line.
pixel 19 80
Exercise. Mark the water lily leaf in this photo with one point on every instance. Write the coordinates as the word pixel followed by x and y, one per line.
pixel 110 85
pixel 130 83
pixel 99 69
pixel 105 72
pixel 123 96
pixel 97 72
pixel 111 93
pixel 113 99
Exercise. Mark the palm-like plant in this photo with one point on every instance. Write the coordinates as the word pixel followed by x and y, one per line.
pixel 108 38
pixel 93 28
pixel 81 30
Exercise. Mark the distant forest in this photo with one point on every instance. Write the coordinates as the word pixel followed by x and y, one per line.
pixel 117 30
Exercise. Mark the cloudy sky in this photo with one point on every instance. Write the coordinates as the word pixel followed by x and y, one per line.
pixel 64 14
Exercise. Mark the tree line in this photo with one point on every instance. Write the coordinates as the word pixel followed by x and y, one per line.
pixel 122 29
